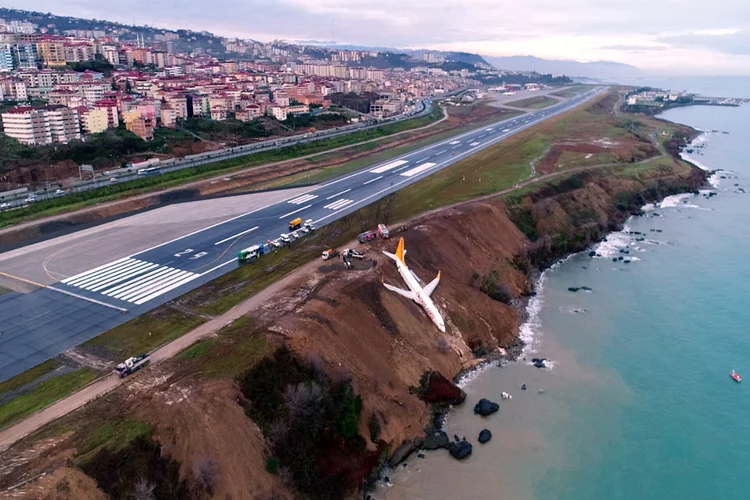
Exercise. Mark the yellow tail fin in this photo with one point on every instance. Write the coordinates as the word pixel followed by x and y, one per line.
pixel 400 251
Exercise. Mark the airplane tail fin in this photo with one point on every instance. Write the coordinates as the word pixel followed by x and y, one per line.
pixel 400 253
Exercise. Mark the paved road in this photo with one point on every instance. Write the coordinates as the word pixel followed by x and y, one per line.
pixel 421 108
pixel 46 322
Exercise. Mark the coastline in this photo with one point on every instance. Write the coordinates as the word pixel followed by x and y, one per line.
pixel 529 331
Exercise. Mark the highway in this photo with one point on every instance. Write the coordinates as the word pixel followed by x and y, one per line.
pixel 46 322
pixel 421 108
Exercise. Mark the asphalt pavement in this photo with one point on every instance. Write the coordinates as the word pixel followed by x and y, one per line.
pixel 46 322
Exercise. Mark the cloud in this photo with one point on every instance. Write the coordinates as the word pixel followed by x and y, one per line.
pixel 638 32
pixel 633 48
pixel 735 42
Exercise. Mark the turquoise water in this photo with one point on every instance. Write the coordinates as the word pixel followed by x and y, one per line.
pixel 638 403
pixel 661 418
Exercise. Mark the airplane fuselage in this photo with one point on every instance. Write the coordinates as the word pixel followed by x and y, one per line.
pixel 420 297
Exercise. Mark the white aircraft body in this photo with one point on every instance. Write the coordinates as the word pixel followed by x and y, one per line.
pixel 416 293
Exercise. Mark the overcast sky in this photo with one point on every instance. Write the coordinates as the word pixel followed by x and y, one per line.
pixel 663 36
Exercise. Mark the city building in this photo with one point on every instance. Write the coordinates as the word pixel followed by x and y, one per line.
pixel 93 120
pixel 42 126
pixel 139 123
pixel 6 58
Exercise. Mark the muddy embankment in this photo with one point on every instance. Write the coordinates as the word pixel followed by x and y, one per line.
pixel 489 253
pixel 346 324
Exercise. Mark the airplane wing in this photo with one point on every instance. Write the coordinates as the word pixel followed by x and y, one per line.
pixel 432 285
pixel 405 293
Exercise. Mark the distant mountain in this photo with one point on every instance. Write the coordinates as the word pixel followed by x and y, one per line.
pixel 456 57
pixel 599 69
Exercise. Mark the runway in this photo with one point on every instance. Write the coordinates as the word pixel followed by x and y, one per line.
pixel 85 297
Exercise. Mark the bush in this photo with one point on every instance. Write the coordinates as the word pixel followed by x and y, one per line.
pixel 272 464
pixel 312 423
pixel 495 290
pixel 138 468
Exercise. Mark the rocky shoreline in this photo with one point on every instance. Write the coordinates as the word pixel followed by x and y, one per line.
pixel 435 437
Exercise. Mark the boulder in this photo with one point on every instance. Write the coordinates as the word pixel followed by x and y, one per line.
pixel 486 407
pixel 586 289
pixel 403 451
pixel 435 440
pixel 592 254
pixel 438 389
pixel 573 288
pixel 484 436
pixel 460 450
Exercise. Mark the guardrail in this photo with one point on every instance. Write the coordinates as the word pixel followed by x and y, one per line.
pixel 175 164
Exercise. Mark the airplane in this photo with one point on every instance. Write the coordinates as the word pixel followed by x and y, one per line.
pixel 416 293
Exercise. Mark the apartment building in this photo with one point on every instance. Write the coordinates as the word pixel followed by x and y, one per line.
pixel 6 58
pixel 139 123
pixel 42 126
pixel 51 51
pixel 93 120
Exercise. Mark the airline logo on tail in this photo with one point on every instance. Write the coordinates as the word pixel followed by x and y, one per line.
pixel 416 293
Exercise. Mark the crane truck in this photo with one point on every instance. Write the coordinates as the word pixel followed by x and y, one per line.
pixel 132 365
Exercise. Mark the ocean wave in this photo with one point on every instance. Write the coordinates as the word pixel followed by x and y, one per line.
pixel 648 207
pixel 611 245
pixel 675 200
pixel 531 328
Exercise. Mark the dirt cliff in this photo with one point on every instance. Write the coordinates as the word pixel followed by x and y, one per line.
pixel 488 253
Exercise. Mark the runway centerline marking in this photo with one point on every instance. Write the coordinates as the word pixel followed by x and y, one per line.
pixel 372 180
pixel 236 235
pixel 338 194
pixel 292 213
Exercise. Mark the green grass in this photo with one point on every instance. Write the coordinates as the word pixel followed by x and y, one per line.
pixel 145 333
pixel 28 376
pixel 3 291
pixel 198 350
pixel 536 102
pixel 45 394
pixel 115 435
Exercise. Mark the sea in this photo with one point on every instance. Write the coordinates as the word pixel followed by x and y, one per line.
pixel 637 402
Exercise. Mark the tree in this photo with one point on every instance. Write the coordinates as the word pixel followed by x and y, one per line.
pixel 144 490
pixel 206 475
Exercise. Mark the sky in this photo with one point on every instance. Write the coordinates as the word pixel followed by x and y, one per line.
pixel 668 37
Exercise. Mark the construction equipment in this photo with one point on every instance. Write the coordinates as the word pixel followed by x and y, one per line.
pixel 132 365
pixel 330 254
pixel 295 223
pixel 348 254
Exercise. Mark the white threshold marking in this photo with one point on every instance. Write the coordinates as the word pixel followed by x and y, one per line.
pixel 419 169
pixel 159 285
pixel 294 212
pixel 93 270
pixel 128 276
pixel 372 180
pixel 388 166
pixel 150 284
pixel 236 235
pixel 338 204
pixel 115 291
pixel 80 278
pixel 167 289
pixel 303 199
pixel 103 278
pixel 338 194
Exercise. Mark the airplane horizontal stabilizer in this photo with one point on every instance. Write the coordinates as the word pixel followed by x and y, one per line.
pixel 433 284
pixel 405 293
